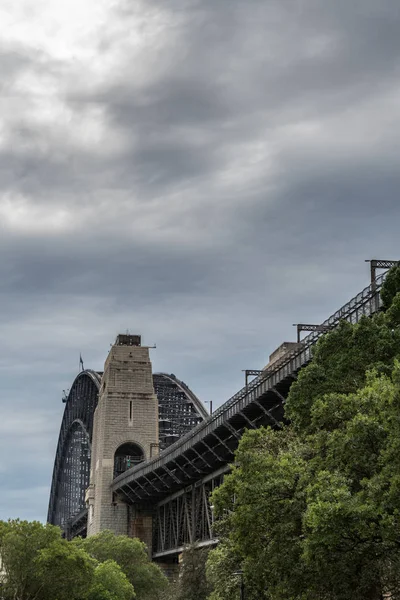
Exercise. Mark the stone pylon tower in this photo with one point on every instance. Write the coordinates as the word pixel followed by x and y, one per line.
pixel 125 430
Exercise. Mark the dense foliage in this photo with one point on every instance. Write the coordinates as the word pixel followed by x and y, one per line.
pixel 37 564
pixel 192 583
pixel 313 511
pixel 131 556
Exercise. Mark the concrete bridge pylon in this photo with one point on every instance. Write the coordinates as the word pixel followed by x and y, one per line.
pixel 125 432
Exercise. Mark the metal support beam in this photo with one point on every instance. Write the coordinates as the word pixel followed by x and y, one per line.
pixel 212 451
pixel 379 264
pixel 122 491
pixel 190 463
pixel 202 458
pixel 268 414
pixel 172 475
pixel 250 373
pixel 160 479
pixel 308 327
pixel 151 483
pixel 142 488
pixel 185 473
pixel 246 418
pixel 275 391
pixel 138 497
pixel 233 431
pixel 222 443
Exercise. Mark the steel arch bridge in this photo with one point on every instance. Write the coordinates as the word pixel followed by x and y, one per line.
pixel 178 482
pixel 175 486
pixel 179 411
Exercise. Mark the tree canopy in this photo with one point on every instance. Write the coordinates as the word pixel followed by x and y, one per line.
pixel 110 583
pixel 312 511
pixel 192 583
pixel 37 564
pixel 131 555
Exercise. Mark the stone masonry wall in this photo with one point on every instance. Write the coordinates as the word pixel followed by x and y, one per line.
pixel 127 379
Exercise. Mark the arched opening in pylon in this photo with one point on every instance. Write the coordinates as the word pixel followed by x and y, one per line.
pixel 128 455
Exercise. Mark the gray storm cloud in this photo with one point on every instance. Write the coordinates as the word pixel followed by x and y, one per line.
pixel 204 173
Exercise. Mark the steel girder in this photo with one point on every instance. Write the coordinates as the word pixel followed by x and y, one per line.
pixel 200 459
pixel 180 411
pixel 185 517
pixel 254 404
pixel 178 406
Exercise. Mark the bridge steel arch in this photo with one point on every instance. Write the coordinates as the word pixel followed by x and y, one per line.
pixel 179 411
pixel 175 485
pixel 72 461
pixel 179 408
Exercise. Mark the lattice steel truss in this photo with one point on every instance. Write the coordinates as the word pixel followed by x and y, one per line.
pixel 170 482
pixel 185 517
pixel 256 399
pixel 179 411
pixel 178 408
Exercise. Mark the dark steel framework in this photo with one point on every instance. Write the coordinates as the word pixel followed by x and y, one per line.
pixel 176 484
pixel 72 463
pixel 178 408
pixel 376 265
pixel 211 445
pixel 308 327
pixel 186 517
pixel 179 411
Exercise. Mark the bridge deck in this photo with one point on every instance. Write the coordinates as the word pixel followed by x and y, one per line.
pixel 212 443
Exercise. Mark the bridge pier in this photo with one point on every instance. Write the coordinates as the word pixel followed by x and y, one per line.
pixel 112 421
pixel 141 526
pixel 125 432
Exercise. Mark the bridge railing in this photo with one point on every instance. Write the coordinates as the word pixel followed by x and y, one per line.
pixel 364 304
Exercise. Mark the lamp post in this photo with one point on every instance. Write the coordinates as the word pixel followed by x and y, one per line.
pixel 210 403
pixel 240 572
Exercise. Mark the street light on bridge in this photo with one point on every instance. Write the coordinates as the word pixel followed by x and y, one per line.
pixel 210 403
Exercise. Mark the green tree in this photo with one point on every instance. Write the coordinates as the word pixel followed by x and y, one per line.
pixel 130 554
pixel 192 583
pixel 223 562
pixel 110 583
pixel 391 287
pixel 317 516
pixel 39 565
pixel 20 544
pixel 340 362
pixel 351 521
pixel 259 509
pixel 313 511
pixel 65 571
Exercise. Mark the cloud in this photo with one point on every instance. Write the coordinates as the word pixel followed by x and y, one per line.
pixel 205 173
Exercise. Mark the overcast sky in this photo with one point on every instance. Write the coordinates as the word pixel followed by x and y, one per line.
pixel 202 172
